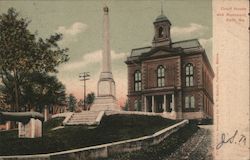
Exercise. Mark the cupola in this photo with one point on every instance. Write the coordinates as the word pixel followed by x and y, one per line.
pixel 162 31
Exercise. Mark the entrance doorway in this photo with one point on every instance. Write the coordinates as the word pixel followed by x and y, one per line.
pixel 159 102
pixel 156 103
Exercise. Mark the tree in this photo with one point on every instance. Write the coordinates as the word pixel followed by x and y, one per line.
pixel 7 90
pixel 3 105
pixel 40 90
pixel 72 101
pixel 88 101
pixel 22 52
pixel 90 98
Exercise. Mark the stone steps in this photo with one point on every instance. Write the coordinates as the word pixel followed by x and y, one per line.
pixel 84 118
pixel 80 123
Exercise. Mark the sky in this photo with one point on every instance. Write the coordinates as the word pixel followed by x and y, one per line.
pixel 131 26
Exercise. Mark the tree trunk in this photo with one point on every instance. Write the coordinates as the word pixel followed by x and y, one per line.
pixel 46 113
pixel 16 91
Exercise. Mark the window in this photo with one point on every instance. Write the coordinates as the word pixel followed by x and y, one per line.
pixel 189 102
pixel 137 79
pixel 160 32
pixel 192 101
pixel 186 102
pixel 137 105
pixel 189 75
pixel 160 76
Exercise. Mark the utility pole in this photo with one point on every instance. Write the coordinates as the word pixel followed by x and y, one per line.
pixel 84 77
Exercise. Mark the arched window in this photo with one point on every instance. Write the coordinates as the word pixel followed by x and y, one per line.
pixel 160 32
pixel 160 76
pixel 137 80
pixel 189 102
pixel 189 75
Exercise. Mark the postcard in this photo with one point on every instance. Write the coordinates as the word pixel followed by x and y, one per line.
pixel 124 79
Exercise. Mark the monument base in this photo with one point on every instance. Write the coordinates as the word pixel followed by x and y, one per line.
pixel 104 104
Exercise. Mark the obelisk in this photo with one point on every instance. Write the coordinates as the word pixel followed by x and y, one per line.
pixel 106 61
pixel 105 99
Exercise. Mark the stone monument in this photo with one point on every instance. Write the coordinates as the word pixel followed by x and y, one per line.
pixel 105 99
pixel 29 123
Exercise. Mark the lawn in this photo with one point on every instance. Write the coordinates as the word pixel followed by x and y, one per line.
pixel 162 150
pixel 112 128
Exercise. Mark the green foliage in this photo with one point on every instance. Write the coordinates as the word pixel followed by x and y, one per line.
pixel 52 123
pixel 3 105
pixel 20 50
pixel 90 98
pixel 7 89
pixel 40 89
pixel 88 101
pixel 22 53
pixel 72 101
pixel 112 128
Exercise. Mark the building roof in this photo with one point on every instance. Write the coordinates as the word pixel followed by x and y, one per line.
pixel 186 46
pixel 20 116
pixel 161 17
pixel 138 51
pixel 191 43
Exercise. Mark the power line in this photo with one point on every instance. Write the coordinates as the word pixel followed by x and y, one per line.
pixel 84 77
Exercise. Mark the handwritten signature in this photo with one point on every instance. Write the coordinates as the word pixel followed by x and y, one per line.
pixel 234 139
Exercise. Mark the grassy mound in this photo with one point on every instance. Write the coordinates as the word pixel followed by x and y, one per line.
pixel 162 150
pixel 52 123
pixel 112 128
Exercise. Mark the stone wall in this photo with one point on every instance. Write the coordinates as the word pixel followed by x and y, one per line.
pixel 104 150
pixel 108 113
pixel 193 115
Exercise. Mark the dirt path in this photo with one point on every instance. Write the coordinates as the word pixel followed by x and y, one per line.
pixel 198 147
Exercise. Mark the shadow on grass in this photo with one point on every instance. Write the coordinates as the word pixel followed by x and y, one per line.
pixel 162 150
pixel 112 128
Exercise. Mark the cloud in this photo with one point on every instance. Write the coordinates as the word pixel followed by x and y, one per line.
pixel 207 45
pixel 206 42
pixel 90 58
pixel 73 85
pixel 72 31
pixel 188 31
pixel 197 30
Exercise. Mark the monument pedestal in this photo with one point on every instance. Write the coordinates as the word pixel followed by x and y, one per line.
pixel 104 104
pixel 106 85
pixel 105 99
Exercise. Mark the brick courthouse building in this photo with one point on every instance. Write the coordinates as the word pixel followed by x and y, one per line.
pixel 173 78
